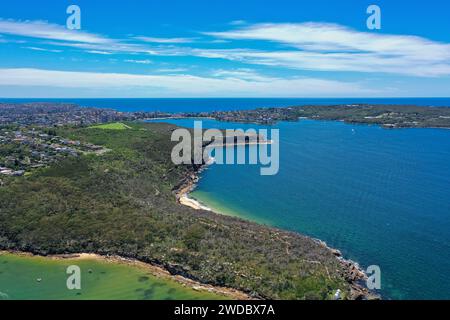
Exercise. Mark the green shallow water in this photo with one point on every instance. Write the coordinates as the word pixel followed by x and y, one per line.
pixel 100 280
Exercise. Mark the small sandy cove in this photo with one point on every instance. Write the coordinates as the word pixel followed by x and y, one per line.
pixel 194 204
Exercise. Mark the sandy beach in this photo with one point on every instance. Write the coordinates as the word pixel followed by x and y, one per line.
pixel 194 204
pixel 354 272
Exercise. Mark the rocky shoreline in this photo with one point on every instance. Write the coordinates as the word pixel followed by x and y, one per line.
pixel 352 273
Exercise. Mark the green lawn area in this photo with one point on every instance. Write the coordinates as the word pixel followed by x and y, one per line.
pixel 112 126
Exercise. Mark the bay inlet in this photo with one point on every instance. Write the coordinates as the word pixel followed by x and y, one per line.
pixel 380 196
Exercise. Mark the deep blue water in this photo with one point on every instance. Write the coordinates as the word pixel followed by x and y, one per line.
pixel 381 196
pixel 221 104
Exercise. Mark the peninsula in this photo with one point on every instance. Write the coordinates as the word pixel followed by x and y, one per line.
pixel 75 180
pixel 388 116
pixel 123 203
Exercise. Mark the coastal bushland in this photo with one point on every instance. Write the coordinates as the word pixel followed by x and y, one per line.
pixel 123 203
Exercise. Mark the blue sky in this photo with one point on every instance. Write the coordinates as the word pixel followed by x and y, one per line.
pixel 217 48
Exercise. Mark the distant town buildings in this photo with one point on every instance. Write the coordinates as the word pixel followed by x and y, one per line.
pixel 23 149
pixel 59 114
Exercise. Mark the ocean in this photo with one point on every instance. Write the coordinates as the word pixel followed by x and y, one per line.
pixel 224 104
pixel 380 196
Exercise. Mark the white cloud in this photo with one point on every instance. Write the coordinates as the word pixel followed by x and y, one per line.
pixel 340 62
pixel 164 40
pixel 60 36
pixel 139 61
pixel 241 73
pixel 113 47
pixel 105 53
pixel 44 30
pixel 171 70
pixel 331 47
pixel 333 37
pixel 180 85
pixel 305 46
pixel 219 41
pixel 42 49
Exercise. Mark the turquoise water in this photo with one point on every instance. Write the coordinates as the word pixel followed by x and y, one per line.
pixel 381 196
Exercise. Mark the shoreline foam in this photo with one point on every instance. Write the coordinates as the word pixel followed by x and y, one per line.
pixel 192 203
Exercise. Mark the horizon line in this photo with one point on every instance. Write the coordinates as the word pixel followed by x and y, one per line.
pixel 322 98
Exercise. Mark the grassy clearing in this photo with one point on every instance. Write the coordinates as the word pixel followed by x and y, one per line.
pixel 112 126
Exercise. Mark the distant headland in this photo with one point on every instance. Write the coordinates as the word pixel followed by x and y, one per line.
pixel 385 115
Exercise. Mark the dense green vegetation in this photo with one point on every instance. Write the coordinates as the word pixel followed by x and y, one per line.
pixel 123 203
pixel 389 116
